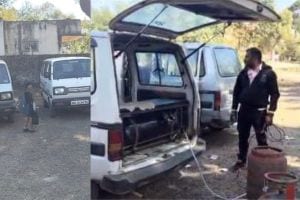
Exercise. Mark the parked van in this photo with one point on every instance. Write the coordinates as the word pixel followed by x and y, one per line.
pixel 7 103
pixel 65 83
pixel 215 68
pixel 145 102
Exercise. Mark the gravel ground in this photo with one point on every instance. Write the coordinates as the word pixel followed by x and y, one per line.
pixel 52 163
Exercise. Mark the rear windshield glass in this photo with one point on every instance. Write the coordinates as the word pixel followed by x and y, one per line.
pixel 76 68
pixel 170 19
pixel 227 61
pixel 4 78
pixel 159 69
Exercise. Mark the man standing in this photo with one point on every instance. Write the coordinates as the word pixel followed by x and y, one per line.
pixel 256 91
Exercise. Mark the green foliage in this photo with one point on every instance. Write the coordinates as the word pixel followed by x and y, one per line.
pixel 8 14
pixel 46 11
pixel 82 45
pixel 101 18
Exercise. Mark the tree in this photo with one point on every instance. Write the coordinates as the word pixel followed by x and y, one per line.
pixel 82 45
pixel 6 3
pixel 46 11
pixel 6 11
pixel 295 6
pixel 101 18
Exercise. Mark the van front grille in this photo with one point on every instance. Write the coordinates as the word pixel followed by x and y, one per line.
pixel 79 89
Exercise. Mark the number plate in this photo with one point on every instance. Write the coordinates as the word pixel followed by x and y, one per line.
pixel 80 102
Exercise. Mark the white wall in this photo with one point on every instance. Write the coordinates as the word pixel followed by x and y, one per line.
pixel 2 45
pixel 45 33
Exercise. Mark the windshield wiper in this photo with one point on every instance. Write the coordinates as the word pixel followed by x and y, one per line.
pixel 202 45
pixel 141 32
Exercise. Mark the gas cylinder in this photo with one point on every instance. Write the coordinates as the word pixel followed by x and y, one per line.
pixel 280 186
pixel 261 160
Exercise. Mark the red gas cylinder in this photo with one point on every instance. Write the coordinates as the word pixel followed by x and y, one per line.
pixel 261 160
pixel 282 185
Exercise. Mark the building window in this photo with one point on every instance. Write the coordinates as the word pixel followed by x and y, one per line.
pixel 30 46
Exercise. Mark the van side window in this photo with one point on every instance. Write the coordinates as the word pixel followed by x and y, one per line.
pixel 202 65
pixel 160 69
pixel 227 61
pixel 45 69
pixel 4 78
pixel 193 61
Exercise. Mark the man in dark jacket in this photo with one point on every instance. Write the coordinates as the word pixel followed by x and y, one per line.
pixel 256 95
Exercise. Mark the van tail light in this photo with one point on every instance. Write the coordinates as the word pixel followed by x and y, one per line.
pixel 115 145
pixel 217 105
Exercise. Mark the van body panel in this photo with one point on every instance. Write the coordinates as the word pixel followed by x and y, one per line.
pixel 76 90
pixel 104 104
pixel 212 82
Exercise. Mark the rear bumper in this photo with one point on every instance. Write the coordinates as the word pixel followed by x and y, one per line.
pixel 7 107
pixel 125 183
pixel 213 118
pixel 69 102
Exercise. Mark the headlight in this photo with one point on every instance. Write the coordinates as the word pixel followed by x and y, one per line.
pixel 6 96
pixel 59 91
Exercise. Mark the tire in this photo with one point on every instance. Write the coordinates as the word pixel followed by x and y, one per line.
pixel 95 191
pixel 46 104
pixel 11 118
pixel 52 111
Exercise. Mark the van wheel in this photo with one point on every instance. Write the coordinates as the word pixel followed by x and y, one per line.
pixel 11 118
pixel 46 104
pixel 52 111
pixel 96 191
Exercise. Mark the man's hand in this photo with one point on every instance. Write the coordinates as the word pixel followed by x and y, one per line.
pixel 233 116
pixel 269 119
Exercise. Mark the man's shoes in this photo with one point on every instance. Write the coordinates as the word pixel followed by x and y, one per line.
pixel 25 130
pixel 238 165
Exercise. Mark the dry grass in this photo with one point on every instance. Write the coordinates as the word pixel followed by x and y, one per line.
pixel 284 66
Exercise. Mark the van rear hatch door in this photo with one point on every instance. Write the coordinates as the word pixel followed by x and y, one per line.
pixel 177 17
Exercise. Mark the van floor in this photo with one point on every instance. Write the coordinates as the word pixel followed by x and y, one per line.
pixel 154 154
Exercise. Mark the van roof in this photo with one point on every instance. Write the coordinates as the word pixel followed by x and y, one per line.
pixel 2 62
pixel 65 58
pixel 193 45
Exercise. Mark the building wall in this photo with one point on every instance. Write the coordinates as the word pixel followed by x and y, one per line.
pixel 2 46
pixel 37 37
pixel 27 68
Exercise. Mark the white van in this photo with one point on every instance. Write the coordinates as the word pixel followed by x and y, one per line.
pixel 65 83
pixel 7 103
pixel 215 68
pixel 145 102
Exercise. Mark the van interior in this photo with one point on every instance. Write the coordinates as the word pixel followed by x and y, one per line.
pixel 154 103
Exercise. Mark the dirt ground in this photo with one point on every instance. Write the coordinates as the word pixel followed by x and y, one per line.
pixel 52 163
pixel 186 183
